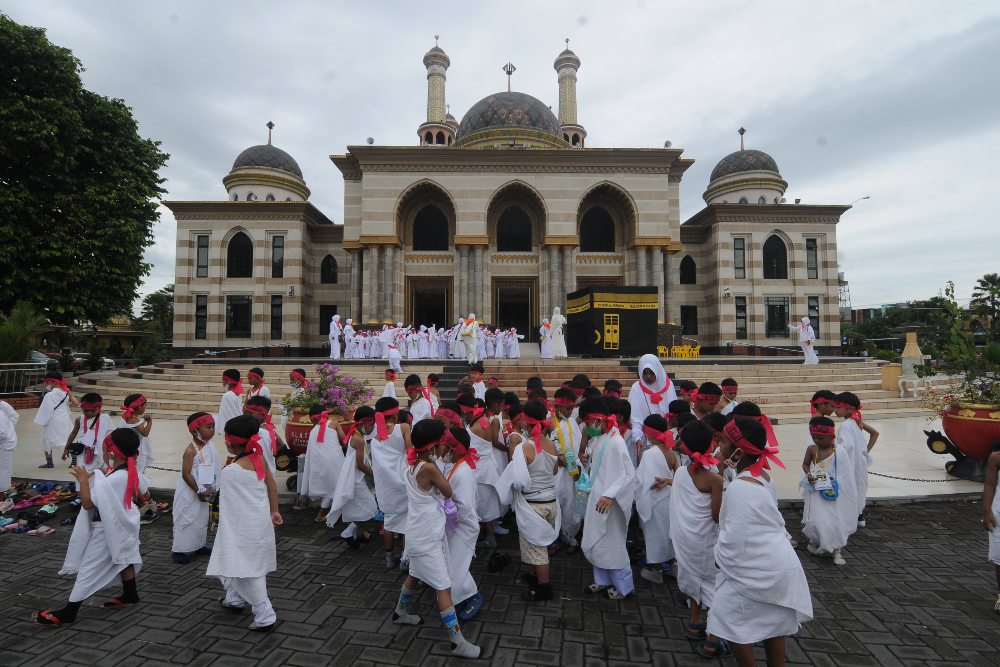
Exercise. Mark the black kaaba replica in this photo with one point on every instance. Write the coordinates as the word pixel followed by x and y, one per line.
pixel 612 321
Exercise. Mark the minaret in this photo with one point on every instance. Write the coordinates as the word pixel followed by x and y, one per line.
pixel 436 130
pixel 566 65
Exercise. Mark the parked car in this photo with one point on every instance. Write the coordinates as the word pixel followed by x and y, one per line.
pixel 80 360
pixel 41 358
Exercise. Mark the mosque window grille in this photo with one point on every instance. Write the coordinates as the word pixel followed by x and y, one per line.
pixel 239 257
pixel 201 268
pixel 776 316
pixel 430 229
pixel 689 271
pixel 201 316
pixel 812 258
pixel 278 256
pixel 740 258
pixel 597 231
pixel 775 255
pixel 239 315
pixel 514 231
pixel 328 271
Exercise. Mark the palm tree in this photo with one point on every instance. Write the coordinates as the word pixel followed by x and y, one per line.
pixel 17 332
pixel 986 303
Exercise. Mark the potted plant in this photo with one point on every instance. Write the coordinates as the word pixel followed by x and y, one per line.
pixel 970 406
pixel 331 390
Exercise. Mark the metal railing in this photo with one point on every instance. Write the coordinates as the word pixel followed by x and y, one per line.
pixel 238 352
pixel 18 378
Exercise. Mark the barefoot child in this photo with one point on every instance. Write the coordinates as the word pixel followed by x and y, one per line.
pixel 653 481
pixel 200 468
pixel 762 594
pixel 134 416
pixel 105 541
pixel 53 415
pixel 244 551
pixel 429 500
pixel 695 499
pixel 89 430
pixel 851 438
pixel 829 492
pixel 991 514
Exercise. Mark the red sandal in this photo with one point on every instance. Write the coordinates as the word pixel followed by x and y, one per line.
pixel 116 603
pixel 47 619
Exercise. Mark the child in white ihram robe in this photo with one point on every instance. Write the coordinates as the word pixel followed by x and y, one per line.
pixel 388 455
pixel 54 418
pixel 8 443
pixel 353 499
pixel 566 436
pixel 653 480
pixel 200 468
pixel 609 509
pixel 460 471
pixel 323 462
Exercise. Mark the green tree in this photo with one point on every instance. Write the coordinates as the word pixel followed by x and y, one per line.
pixel 78 186
pixel 986 303
pixel 157 314
pixel 17 332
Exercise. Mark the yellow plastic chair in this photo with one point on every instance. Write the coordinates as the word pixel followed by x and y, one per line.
pixel 662 352
pixel 675 351
pixel 696 352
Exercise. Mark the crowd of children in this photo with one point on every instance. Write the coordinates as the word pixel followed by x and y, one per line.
pixel 439 478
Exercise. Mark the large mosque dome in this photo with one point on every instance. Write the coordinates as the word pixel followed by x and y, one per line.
pixel 516 115
pixel 269 157
pixel 744 160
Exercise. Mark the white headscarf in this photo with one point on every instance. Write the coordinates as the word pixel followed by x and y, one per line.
pixel 806 324
pixel 651 362
pixel 556 311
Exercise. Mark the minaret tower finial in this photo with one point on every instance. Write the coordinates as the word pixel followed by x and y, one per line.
pixel 741 132
pixel 270 126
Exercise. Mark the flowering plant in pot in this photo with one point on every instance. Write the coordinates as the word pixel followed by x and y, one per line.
pixel 331 390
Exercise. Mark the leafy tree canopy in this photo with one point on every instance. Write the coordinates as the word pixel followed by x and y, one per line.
pixel 157 314
pixel 78 186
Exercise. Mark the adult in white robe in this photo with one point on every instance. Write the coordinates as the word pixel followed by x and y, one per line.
pixel 481 344
pixel 558 321
pixel 424 343
pixel 442 344
pixel 753 604
pixel 807 338
pixel 335 332
pixel 604 533
pixel 545 332
pixel 189 512
pixel 349 336
pixel 649 399
pixel 457 348
pixel 323 461
pixel 829 523
pixel 653 505
pixel 693 534
pixel 412 344
pixel 469 334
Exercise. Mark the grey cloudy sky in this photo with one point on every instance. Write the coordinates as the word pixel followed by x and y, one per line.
pixel 896 100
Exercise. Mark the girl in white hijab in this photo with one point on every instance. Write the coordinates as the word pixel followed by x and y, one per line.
pixel 651 394
pixel 806 338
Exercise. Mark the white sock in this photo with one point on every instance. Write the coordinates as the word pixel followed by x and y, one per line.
pixel 350 531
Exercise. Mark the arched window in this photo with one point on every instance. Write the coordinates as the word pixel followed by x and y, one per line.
pixel 576 139
pixel 236 196
pixel 762 200
pixel 251 196
pixel 743 200
pixel 514 231
pixel 775 258
pixel 429 138
pixel 777 201
pixel 597 231
pixel 430 229
pixel 328 270
pixel 269 197
pixel 239 257
pixel 689 273
pixel 440 138
pixel 566 138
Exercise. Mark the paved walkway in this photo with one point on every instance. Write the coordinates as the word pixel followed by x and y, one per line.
pixel 917 591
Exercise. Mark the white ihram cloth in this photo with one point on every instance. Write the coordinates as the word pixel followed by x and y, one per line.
pixel 244 546
pixel 994 554
pixel 268 447
pixel 352 497
pixel 828 523
pixel 53 417
pixel 190 514
pixel 546 341
pixel 469 335
pixel 558 321
pixel 654 506
pixel 512 485
pixel 566 484
pixel 693 534
pixel 99 550
pixel 8 443
pixel 499 455
pixel 229 407
pixel 479 390
pixel 390 390
pixel 349 347
pixel 642 407
pixel 604 534
pixel 807 337
pixel 421 409
pixel 323 462
pixel 145 456
pixel 851 439
pixel 335 330
pixel 92 435
pixel 514 345
pixel 425 537
pixel 488 505
pixel 762 591
pixel 462 540
pixel 389 468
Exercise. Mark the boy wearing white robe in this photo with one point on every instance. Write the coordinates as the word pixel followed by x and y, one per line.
pixel 134 416
pixel 8 443
pixel 514 344
pixel 389 391
pixel 851 438
pixel 259 407
pixel 423 404
pixel 353 498
pixel 828 521
pixel 349 347
pixel 545 332
pixel 388 456
pixel 200 468
pixel 650 394
pixel 653 480
pixel 90 429
pixel 105 541
pixel 460 471
pixel 324 460
pixel 481 442
pixel 231 405
pixel 244 550
pixel 53 415
pixel 609 506
pixel 566 435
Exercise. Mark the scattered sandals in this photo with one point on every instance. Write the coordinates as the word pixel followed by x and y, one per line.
pixel 42 531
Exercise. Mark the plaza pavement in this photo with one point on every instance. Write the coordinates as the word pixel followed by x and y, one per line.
pixel 917 591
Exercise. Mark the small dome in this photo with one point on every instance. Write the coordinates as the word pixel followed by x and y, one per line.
pixel 269 157
pixel 745 160
pixel 509 110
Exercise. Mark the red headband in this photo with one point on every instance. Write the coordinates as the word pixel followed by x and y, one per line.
pixel 254 376
pixel 475 411
pixel 564 402
pixel 613 394
pixel 536 429
pixel 412 387
pixel 256 409
pixel 392 373
pixel 201 421
pixel 711 398
pixel 704 460
pixel 129 409
pixel 349 433
pixel 252 449
pixel 59 382
pixel 611 420
pixel 382 430
pixel 856 411
pixel 411 453
pixel 269 427
pixel 450 415
pixel 87 405
pixel 815 403
pixel 295 375
pixel 731 388
pixel 577 391
pixel 431 382
pixel 740 441
pixel 235 385
pixel 323 417
pixel 493 382
pixel 821 429
pixel 664 437
pixel 772 439
pixel 132 485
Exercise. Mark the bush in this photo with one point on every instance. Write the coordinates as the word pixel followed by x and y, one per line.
pixel 67 364
pixel 886 355
pixel 147 353
pixel 93 362
pixel 17 331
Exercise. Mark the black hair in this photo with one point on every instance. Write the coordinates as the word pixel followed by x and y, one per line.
pixel 468 400
pixel 256 371
pixel 678 407
pixel 425 432
pixel 451 405
pixel 698 437
pixel 595 406
pixel 197 415
pixel 412 379
pixel 364 412
pixel 716 421
pixel 687 385
pixel 535 409
pixel 613 385
pixel 127 440
pixel 729 381
pixel 582 380
pixel 262 401
pixel 565 392
pixel 591 392
pixel 464 389
pixel 300 371
pixel 404 416
pixel 433 377
pixel 91 398
pixel 747 409
pixel 753 431
pixel 709 388
pixel 511 398
pixel 478 366
pixel 534 382
pixel 461 435
pixel 849 398
pixel 53 375
pixel 656 422
pixel 314 410
pixel 131 398
pixel 386 403
pixel 820 420
pixel 515 410
pixel 685 418
pixel 539 394
pixel 825 395
pixel 494 395
pixel 623 409
pixel 244 426
pixel 231 374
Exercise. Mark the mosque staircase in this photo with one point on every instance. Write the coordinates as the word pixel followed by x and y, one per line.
pixel 782 388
